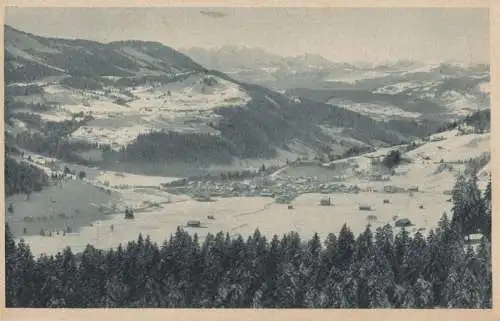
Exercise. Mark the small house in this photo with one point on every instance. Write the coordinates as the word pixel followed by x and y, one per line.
pixel 372 217
pixel 392 189
pixel 193 223
pixel 365 208
pixel 413 189
pixel 325 202
pixel 211 217
pixel 386 201
pixel 474 238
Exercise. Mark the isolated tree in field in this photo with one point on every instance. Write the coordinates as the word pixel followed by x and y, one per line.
pixel 10 209
pixel 392 159
pixel 129 214
pixel 82 175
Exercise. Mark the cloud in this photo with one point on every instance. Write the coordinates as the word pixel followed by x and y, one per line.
pixel 213 14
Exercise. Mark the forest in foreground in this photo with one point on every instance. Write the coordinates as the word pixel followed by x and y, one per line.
pixel 377 269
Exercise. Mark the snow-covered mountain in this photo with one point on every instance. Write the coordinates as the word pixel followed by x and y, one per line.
pixel 239 58
pixel 143 102
pixel 410 90
pixel 255 65
pixel 453 89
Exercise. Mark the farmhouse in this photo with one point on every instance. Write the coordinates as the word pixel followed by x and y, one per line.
pixel 365 208
pixel 193 223
pixel 473 239
pixel 325 201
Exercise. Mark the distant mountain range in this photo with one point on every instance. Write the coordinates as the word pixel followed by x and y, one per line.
pixel 135 102
pixel 381 90
pixel 316 72
pixel 229 58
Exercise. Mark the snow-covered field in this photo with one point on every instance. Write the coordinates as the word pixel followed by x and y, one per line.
pixel 457 103
pixel 460 104
pixel 373 110
pixel 116 137
pixel 394 89
pixel 191 94
pixel 117 179
pixel 355 77
pixel 485 87
pixel 182 105
pixel 244 215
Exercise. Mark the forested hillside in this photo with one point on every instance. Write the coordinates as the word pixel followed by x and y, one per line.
pixel 22 177
pixel 376 269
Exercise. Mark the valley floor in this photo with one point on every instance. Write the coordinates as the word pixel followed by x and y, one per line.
pixel 158 213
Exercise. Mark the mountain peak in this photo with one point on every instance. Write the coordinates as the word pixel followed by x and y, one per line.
pixel 30 57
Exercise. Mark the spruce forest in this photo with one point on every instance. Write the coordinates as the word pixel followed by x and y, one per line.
pixel 379 268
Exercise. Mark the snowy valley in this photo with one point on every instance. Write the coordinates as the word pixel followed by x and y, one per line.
pixel 152 116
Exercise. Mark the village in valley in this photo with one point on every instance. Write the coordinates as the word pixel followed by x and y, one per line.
pixel 306 195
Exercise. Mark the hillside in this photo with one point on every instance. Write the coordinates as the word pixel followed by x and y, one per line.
pixel 30 58
pixel 142 105
pixel 416 95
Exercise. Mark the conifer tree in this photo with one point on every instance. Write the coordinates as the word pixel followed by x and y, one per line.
pixel 486 218
pixel 344 248
pixel 467 205
pixel 423 295
pixel 12 282
pixel 484 273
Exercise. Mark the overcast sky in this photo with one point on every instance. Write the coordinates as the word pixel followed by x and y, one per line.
pixel 339 34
